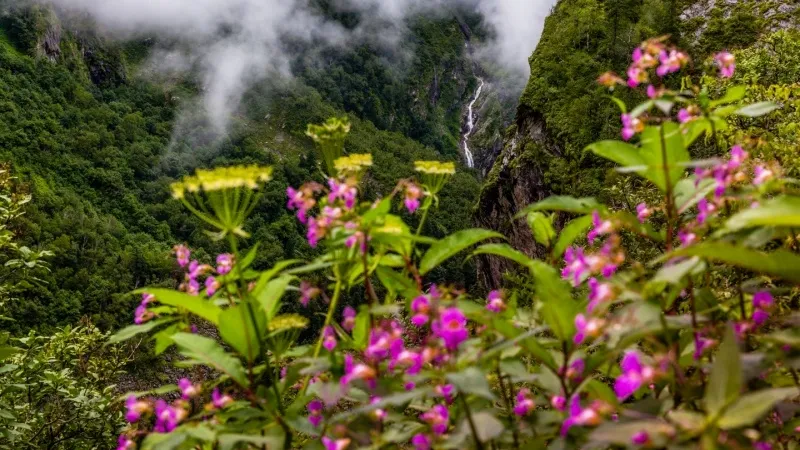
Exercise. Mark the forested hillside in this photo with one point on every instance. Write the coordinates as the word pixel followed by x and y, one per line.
pixel 97 147
pixel 563 108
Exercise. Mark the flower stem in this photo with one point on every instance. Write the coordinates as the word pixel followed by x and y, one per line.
pixel 471 422
pixel 328 319
pixel 668 187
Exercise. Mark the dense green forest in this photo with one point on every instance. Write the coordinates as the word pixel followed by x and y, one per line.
pixel 97 148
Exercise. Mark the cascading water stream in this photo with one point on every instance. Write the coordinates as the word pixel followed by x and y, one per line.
pixel 471 124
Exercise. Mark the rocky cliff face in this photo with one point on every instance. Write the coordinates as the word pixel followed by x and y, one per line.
pixel 562 110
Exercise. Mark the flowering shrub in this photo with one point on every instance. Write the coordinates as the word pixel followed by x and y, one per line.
pixel 693 348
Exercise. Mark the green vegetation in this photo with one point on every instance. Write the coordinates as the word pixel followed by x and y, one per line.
pixel 97 150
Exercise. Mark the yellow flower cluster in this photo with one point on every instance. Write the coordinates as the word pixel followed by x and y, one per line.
pixel 435 167
pixel 353 164
pixel 222 178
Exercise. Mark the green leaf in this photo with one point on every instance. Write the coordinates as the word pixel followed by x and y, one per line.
pixel 780 263
pixel 621 433
pixel 675 273
pixel 133 330
pixel 471 381
pixel 248 259
pixel 6 351
pixel 782 211
pixel 733 94
pixel 688 420
pixel 563 203
pixel 270 295
pixel 622 153
pixel 504 250
pixel 688 195
pixel 451 245
pixel 382 208
pixel 620 104
pixel 750 408
pixel 757 109
pixel 361 329
pixel 229 441
pixel 570 233
pixel 675 152
pixel 542 228
pixel 486 426
pixel 194 304
pixel 207 351
pixel 236 328
pixel 725 381
pixel 396 283
pixel 558 309
pixel 530 344
pixel 642 108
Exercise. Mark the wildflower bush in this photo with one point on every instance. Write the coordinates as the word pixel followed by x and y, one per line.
pixel 667 326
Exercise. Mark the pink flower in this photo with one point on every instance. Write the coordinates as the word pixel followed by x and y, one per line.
pixel 576 369
pixel 315 412
pixel 148 298
pixel 188 390
pixel 420 307
pixel 211 286
pixel 219 400
pixel 495 302
pixel 671 62
pixel 524 403
pixel 579 416
pixel 343 192
pixel 598 293
pixel 763 300
pixel 335 444
pixel 652 92
pixel 630 126
pixel 636 76
pixel 558 402
pixel 224 263
pixel 135 409
pixel 609 80
pixel 643 212
pixel 421 442
pixel 125 443
pixel 438 418
pixel 576 265
pixel 705 209
pixel 167 417
pixel 684 116
pixel 360 371
pixel 451 327
pixel 587 328
pixel 308 293
pixel 687 238
pixel 760 316
pixel 380 413
pixel 348 318
pixel 762 445
pixel 640 438
pixel 182 254
pixel 447 392
pixel 601 227
pixel 634 374
pixel 413 194
pixel 726 63
pixel 701 344
pixel 329 338
pixel 141 314
pixel 410 360
pixel 762 174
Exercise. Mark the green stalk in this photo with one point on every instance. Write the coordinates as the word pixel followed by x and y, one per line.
pixel 471 422
pixel 328 319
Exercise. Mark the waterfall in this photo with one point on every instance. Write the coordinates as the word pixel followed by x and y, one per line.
pixel 471 124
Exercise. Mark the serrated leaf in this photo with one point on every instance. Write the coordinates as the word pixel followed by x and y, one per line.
pixel 725 380
pixel 622 153
pixel 194 304
pixel 675 154
pixel 751 407
pixel 757 109
pixel 207 351
pixel 504 250
pixel 452 245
